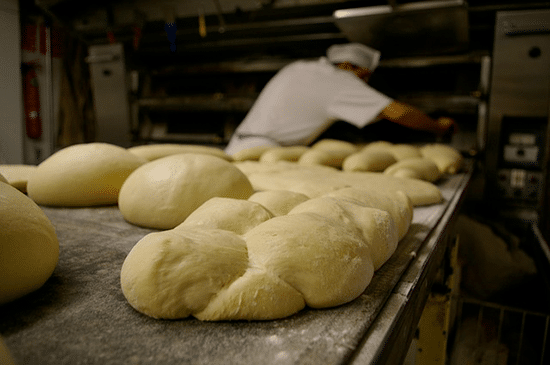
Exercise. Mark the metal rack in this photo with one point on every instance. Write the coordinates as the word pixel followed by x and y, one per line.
pixel 490 333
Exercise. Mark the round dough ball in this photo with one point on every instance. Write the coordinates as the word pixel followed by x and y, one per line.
pixel 29 249
pixel 82 175
pixel 152 152
pixel 163 193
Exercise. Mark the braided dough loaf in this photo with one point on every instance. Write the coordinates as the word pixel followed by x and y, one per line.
pixel 233 260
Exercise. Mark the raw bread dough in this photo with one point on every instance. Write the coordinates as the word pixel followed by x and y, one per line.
pixel 235 215
pixel 173 274
pixel 328 144
pixel 17 175
pixel 404 151
pixel 3 179
pixel 252 153
pixel 82 175
pixel 374 160
pixel 29 249
pixel 162 193
pixel 397 204
pixel 314 181
pixel 377 228
pixel 447 158
pixel 328 152
pixel 258 295
pixel 322 254
pixel 325 260
pixel 290 153
pixel 415 168
pixel 155 151
pixel 278 202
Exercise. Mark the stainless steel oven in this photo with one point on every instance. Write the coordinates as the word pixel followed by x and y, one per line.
pixel 517 147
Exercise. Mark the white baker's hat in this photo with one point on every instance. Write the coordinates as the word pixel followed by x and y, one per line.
pixel 354 53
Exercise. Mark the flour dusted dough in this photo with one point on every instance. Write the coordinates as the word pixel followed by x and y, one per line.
pixel 397 204
pixel 415 168
pixel 174 274
pixel 162 193
pixel 17 175
pixel 82 175
pixel 235 215
pixel 155 151
pixel 278 202
pixel 29 249
pixel 322 253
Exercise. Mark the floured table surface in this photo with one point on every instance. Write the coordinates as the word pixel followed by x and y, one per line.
pixel 81 317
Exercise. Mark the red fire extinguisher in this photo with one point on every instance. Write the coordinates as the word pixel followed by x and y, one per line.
pixel 31 96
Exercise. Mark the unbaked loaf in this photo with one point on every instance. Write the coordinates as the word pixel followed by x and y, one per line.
pixel 328 152
pixel 152 152
pixel 415 168
pixel 85 174
pixel 314 181
pixel 374 160
pixel 231 263
pixel 287 153
pixel 29 248
pixel 447 158
pixel 162 193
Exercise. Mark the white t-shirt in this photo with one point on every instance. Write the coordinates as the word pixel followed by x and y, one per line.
pixel 302 101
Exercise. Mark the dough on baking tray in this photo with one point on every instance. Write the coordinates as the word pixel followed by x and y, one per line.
pixel 3 179
pixel 374 160
pixel 290 153
pixel 152 152
pixel 29 248
pixel 415 168
pixel 82 175
pixel 322 254
pixel 17 175
pixel 314 181
pixel 252 153
pixel 162 193
pixel 328 152
pixel 448 159
pixel 278 202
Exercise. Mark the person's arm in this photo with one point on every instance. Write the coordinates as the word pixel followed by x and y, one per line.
pixel 411 117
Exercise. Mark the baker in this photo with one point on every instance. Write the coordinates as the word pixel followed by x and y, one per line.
pixel 306 97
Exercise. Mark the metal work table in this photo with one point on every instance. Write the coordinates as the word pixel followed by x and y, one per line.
pixel 81 317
